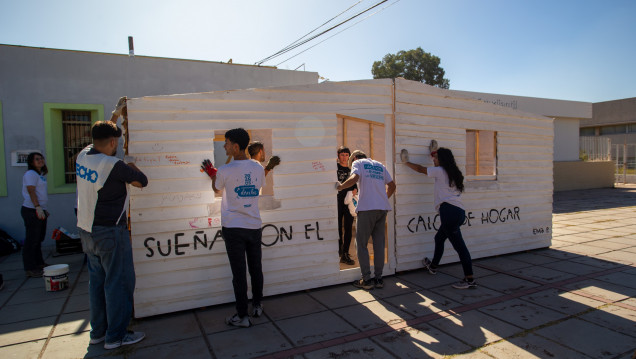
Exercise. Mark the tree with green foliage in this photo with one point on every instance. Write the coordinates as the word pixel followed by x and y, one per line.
pixel 416 65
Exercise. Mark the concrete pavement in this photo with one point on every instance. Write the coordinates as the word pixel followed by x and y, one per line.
pixel 573 300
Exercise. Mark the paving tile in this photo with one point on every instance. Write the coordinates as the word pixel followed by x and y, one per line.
pixel 25 331
pixel 503 263
pixel 576 333
pixel 597 262
pixel 622 279
pixel 618 256
pixel 531 346
pixel 250 342
pixel 75 346
pixel 182 325
pixel 194 348
pixel 22 351
pixel 324 326
pixel 475 328
pixel 572 267
pixel 564 302
pixel 291 305
pixel 522 313
pixel 35 295
pixel 18 312
pixel 422 303
pixel 608 291
pixel 608 244
pixel 457 271
pixel 364 348
pixel 474 354
pixel 624 239
pixel 77 303
pixel 467 296
pixel 422 341
pixel 559 254
pixel 372 315
pixel 615 318
pixel 73 323
pixel 342 295
pixel 584 249
pixel 508 284
pixel 532 258
pixel 394 286
pixel 426 280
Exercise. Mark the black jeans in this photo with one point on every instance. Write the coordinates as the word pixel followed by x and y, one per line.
pixel 241 243
pixel 344 218
pixel 452 218
pixel 35 232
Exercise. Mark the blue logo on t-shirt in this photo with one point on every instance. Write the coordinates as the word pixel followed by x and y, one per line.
pixel 248 190
pixel 376 172
pixel 86 173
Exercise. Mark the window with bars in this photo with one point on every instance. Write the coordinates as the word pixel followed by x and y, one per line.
pixel 76 131
pixel 481 154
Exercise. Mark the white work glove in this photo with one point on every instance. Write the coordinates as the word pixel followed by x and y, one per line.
pixel 433 147
pixel 121 104
pixel 404 155
pixel 40 212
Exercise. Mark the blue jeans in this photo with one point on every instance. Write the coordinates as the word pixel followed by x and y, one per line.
pixel 452 217
pixel 241 243
pixel 371 224
pixel 34 236
pixel 111 280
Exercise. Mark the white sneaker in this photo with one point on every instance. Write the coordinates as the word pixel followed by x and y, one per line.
pixel 237 321
pixel 129 338
pixel 94 341
pixel 465 284
pixel 257 311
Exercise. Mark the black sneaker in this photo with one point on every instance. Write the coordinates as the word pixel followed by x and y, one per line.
pixel 379 283
pixel 364 284
pixel 465 284
pixel 347 260
pixel 428 265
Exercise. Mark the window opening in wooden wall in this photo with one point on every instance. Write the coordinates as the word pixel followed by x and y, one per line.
pixel 264 136
pixel 481 154
pixel 76 132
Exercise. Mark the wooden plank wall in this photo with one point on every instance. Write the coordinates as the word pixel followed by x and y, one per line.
pixel 509 214
pixel 180 259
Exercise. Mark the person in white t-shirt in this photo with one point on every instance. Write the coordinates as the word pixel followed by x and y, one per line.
pixel 240 182
pixel 375 187
pixel 449 185
pixel 34 214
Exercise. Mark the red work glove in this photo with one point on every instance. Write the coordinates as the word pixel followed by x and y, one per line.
pixel 207 167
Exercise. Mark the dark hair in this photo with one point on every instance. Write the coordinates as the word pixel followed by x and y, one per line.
pixel 31 166
pixel 103 130
pixel 238 136
pixel 342 149
pixel 254 148
pixel 447 162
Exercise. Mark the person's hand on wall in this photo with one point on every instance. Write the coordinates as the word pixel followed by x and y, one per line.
pixel 404 155
pixel 207 167
pixel 121 105
pixel 273 162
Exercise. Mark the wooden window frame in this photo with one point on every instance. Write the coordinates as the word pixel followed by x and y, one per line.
pixel 477 176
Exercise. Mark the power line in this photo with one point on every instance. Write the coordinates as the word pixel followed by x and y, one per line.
pixel 352 25
pixel 297 44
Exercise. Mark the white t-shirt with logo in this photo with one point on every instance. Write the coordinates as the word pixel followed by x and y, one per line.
pixel 443 191
pixel 32 178
pixel 373 177
pixel 241 182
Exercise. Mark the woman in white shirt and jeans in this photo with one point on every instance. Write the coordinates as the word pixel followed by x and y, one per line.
pixel 449 184
pixel 34 214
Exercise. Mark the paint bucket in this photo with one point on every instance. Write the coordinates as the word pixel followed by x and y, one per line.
pixel 56 277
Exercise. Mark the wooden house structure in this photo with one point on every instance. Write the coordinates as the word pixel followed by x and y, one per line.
pixel 179 255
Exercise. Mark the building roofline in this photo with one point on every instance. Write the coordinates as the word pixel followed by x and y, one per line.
pixel 142 56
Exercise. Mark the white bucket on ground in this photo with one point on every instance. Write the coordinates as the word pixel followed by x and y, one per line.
pixel 56 277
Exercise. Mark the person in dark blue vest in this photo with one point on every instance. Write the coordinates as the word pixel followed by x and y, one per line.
pixel 102 194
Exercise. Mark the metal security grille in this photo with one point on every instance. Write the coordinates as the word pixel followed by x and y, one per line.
pixel 76 129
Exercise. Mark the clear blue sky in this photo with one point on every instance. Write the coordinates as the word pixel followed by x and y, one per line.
pixel 579 50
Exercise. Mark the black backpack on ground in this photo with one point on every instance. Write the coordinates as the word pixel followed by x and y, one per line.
pixel 8 245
